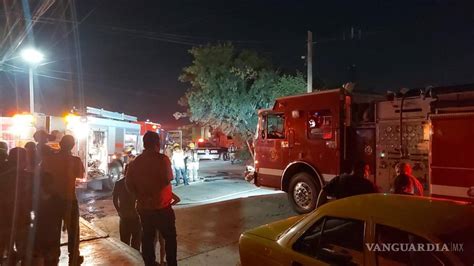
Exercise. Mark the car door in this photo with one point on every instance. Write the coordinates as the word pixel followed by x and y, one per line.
pixel 330 241
pixel 392 246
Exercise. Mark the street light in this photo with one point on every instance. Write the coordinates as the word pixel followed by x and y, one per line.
pixel 33 57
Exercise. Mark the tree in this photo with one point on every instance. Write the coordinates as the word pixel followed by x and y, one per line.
pixel 229 86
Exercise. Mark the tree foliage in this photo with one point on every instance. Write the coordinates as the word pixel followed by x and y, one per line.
pixel 228 86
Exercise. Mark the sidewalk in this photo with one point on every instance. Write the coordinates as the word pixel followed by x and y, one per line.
pixel 100 249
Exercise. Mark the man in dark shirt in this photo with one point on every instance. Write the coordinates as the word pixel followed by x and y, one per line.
pixel 124 202
pixel 350 185
pixel 42 149
pixel 59 172
pixel 3 152
pixel 149 178
pixel 405 183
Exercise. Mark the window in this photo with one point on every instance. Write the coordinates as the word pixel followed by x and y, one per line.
pixel 394 244
pixel 320 125
pixel 275 126
pixel 462 235
pixel 334 240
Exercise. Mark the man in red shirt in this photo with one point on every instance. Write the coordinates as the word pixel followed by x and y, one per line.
pixel 149 179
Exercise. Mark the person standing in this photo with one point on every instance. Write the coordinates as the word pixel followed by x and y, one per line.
pixel 193 164
pixel 161 240
pixel 149 179
pixel 232 150
pixel 43 150
pixel 20 200
pixel 129 224
pixel 405 182
pixel 3 152
pixel 12 173
pixel 179 165
pixel 59 172
pixel 3 222
pixel 30 148
pixel 353 184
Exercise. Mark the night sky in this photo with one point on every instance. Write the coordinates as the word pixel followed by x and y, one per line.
pixel 133 51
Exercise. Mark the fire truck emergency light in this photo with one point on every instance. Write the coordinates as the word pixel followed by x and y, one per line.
pixel 79 128
pixel 22 123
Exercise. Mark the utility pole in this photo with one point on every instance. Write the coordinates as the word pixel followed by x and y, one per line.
pixel 32 91
pixel 309 62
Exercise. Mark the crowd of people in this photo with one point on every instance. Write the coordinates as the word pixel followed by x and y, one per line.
pixel 37 199
pixel 184 162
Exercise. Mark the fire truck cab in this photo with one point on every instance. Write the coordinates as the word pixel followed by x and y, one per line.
pixel 299 144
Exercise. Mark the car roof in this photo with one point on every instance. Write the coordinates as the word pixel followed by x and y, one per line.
pixel 416 214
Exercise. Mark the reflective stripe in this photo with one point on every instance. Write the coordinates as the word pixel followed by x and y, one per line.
pixel 452 168
pixel 328 177
pixel 270 171
pixel 449 191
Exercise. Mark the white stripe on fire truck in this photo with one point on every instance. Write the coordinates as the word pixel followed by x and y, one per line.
pixel 449 191
pixel 328 177
pixel 270 171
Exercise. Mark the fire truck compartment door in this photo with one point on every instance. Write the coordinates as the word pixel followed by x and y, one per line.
pixel 451 162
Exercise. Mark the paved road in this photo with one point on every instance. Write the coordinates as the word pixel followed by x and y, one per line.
pixel 222 181
pixel 212 215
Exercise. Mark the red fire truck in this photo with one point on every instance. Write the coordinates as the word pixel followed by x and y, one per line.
pixel 306 140
pixel 101 136
pixel 146 126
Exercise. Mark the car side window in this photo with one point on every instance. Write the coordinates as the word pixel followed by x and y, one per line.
pixel 334 240
pixel 398 247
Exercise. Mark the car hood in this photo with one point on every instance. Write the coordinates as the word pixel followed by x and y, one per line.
pixel 273 230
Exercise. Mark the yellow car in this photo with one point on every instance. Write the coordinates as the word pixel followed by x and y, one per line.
pixel 372 229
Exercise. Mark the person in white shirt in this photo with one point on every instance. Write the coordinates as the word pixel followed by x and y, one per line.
pixel 193 164
pixel 179 166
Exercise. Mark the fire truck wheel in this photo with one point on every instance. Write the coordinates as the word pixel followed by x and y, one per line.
pixel 303 192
